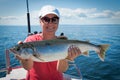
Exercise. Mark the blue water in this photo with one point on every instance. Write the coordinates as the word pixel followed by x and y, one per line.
pixel 92 68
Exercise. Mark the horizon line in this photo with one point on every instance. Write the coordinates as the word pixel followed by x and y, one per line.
pixel 59 24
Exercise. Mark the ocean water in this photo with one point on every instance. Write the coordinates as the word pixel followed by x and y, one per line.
pixel 92 68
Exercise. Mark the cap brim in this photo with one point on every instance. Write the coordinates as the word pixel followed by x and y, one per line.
pixel 49 13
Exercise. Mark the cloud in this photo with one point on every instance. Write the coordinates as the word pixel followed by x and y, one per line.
pixel 19 20
pixel 79 12
pixel 90 13
pixel 116 15
pixel 69 16
pixel 9 18
pixel 103 14
pixel 12 20
pixel 90 16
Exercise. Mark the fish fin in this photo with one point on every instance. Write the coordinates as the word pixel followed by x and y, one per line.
pixel 86 53
pixel 42 60
pixel 103 48
pixel 38 57
pixel 12 50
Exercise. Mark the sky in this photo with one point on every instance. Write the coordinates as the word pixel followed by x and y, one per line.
pixel 76 12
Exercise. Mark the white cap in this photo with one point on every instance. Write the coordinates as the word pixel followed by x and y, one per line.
pixel 48 10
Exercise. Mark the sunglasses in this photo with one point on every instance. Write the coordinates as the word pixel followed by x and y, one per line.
pixel 47 20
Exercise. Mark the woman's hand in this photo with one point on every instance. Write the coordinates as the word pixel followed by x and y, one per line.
pixel 26 63
pixel 73 52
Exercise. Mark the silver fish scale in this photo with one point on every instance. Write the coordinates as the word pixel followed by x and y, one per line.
pixel 50 50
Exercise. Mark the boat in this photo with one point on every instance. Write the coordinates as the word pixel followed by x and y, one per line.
pixel 22 74
pixel 13 72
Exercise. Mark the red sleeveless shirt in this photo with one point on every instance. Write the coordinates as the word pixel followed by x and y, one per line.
pixel 43 70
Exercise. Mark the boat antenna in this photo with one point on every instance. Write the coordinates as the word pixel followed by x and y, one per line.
pixel 28 17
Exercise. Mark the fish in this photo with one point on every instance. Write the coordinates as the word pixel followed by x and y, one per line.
pixel 56 49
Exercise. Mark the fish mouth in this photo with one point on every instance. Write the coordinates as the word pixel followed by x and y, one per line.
pixel 12 50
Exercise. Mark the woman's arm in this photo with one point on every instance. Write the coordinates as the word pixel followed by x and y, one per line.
pixel 73 52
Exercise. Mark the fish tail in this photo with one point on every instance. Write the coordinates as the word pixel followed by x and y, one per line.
pixel 103 49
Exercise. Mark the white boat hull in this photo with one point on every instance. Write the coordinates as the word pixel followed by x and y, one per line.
pixel 20 74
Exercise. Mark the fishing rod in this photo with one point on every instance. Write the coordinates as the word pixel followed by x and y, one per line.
pixel 28 17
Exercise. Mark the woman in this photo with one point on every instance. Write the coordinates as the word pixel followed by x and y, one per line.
pixel 49 20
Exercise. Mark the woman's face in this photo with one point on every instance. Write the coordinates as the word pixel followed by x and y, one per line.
pixel 49 23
